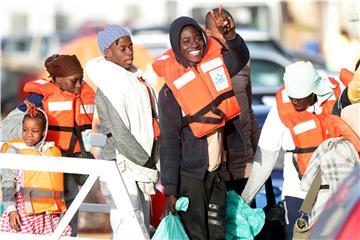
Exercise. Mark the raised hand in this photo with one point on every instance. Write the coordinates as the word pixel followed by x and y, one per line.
pixel 224 24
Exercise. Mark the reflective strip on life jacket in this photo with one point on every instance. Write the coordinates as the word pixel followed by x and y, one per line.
pixel 60 106
pixel 87 109
pixel 38 201
pixel 304 126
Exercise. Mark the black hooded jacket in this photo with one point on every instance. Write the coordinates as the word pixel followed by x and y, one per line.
pixel 180 151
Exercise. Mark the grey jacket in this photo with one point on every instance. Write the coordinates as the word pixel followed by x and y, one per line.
pixel 239 164
pixel 9 186
pixel 121 138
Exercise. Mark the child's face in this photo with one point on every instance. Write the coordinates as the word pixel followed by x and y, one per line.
pixel 32 131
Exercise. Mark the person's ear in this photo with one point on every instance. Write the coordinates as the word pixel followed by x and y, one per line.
pixel 107 53
pixel 58 80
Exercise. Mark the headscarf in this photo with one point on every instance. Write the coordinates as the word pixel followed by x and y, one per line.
pixel 301 79
pixel 354 88
pixel 110 34
pixel 63 65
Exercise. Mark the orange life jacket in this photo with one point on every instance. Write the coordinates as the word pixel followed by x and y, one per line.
pixel 43 191
pixel 64 109
pixel 204 92
pixel 346 76
pixel 307 129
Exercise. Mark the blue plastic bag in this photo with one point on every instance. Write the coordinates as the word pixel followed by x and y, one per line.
pixel 242 221
pixel 170 227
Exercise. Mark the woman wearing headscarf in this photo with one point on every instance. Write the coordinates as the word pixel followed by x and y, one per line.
pixel 298 123
pixel 69 104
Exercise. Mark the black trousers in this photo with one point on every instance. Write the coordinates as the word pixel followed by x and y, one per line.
pixel 74 221
pixel 71 189
pixel 205 217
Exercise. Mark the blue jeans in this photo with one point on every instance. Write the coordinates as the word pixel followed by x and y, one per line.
pixel 292 207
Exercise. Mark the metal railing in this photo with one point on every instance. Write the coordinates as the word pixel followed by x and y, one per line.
pixel 95 168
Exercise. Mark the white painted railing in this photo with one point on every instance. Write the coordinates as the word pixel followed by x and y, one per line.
pixel 94 167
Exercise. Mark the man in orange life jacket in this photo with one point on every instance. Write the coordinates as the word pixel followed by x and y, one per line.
pixel 300 121
pixel 194 105
pixel 69 105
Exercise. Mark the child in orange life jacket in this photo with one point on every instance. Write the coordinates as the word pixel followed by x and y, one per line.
pixel 34 214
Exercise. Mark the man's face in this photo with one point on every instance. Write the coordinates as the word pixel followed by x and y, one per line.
pixel 121 52
pixel 70 83
pixel 301 104
pixel 191 44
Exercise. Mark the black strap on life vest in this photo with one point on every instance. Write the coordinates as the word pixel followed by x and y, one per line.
pixel 69 129
pixel 299 151
pixel 76 134
pixel 211 107
pixel 303 150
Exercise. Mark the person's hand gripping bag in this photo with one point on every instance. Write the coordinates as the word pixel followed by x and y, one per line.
pixel 170 227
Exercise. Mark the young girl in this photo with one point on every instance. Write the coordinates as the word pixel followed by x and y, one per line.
pixel 32 199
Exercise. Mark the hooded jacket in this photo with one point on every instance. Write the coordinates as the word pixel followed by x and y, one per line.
pixel 178 145
pixel 10 186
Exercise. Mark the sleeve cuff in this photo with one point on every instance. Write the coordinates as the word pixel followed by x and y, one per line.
pixel 235 42
pixel 11 208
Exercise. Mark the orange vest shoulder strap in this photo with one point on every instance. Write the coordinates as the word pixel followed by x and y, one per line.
pixel 5 147
pixel 346 76
pixel 41 86
pixel 283 103
pixel 159 63
pixel 87 91
pixel 337 90
pixel 53 151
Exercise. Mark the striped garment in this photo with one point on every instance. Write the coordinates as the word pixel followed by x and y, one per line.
pixel 42 224
pixel 336 158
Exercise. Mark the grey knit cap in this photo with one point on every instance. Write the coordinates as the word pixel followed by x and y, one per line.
pixel 109 35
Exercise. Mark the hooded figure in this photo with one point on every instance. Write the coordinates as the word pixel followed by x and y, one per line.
pixel 192 139
pixel 22 213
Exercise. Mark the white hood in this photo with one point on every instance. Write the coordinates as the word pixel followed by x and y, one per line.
pixel 127 94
